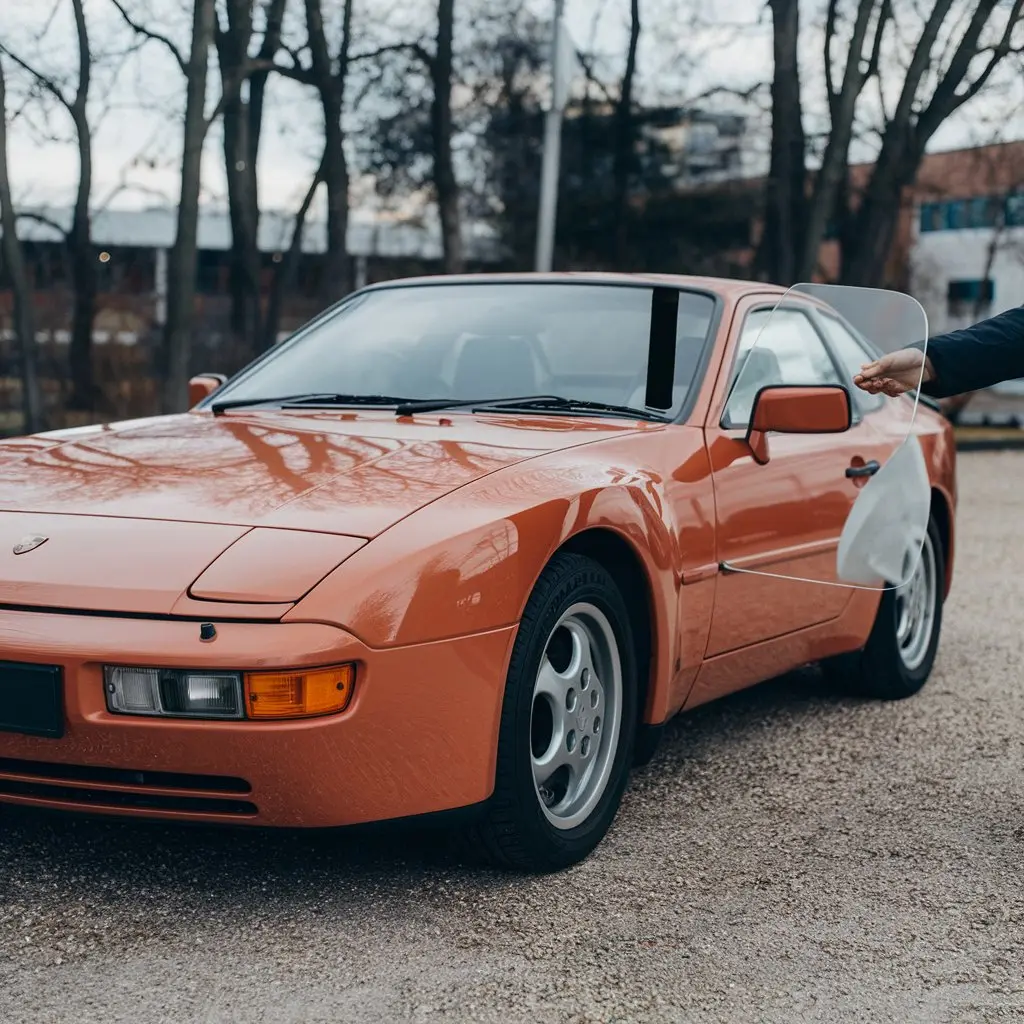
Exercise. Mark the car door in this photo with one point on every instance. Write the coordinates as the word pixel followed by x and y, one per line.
pixel 783 518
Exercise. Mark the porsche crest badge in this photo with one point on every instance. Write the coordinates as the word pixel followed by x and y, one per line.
pixel 29 543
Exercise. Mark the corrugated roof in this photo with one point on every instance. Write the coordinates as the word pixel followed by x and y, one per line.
pixel 156 229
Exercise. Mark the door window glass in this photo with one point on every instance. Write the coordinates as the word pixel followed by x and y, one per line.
pixel 853 355
pixel 777 347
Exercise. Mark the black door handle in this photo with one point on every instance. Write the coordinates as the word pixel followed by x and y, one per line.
pixel 868 469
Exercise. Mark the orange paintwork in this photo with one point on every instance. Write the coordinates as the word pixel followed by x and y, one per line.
pixel 318 537
pixel 796 410
pixel 201 387
pixel 802 410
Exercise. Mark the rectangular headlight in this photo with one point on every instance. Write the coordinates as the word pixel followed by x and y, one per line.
pixel 173 693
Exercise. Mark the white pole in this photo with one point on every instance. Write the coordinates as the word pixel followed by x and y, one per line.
pixel 552 150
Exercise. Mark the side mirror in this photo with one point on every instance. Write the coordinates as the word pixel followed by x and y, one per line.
pixel 797 409
pixel 203 386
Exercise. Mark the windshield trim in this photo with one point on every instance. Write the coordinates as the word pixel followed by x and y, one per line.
pixel 683 416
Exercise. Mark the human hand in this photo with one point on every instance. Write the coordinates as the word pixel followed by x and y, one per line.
pixel 896 373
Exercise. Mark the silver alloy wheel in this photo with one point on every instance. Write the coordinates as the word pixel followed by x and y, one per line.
pixel 576 716
pixel 915 608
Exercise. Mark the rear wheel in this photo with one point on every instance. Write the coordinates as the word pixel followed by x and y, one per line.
pixel 898 657
pixel 567 724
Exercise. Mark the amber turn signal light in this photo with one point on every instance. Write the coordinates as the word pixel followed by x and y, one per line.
pixel 321 691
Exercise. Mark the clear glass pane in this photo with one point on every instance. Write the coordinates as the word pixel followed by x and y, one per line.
pixel 855 459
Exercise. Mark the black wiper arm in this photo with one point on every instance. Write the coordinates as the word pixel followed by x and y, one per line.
pixel 437 404
pixel 572 404
pixel 286 401
pixel 539 402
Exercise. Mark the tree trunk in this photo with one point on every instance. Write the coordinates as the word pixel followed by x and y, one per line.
pixel 240 168
pixel 181 283
pixel 842 108
pixel 785 198
pixel 24 322
pixel 258 79
pixel 445 183
pixel 336 281
pixel 873 225
pixel 624 133
pixel 284 279
pixel 80 249
pixel 330 84
pixel 244 269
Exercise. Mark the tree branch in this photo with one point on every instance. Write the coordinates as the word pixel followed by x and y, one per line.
pixel 234 87
pixel 47 83
pixel 40 218
pixel 725 90
pixel 884 14
pixel 157 37
pixel 587 63
pixel 830 32
pixel 77 107
pixel 295 72
pixel 417 49
pixel 946 99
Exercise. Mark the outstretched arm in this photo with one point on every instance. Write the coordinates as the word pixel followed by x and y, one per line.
pixel 976 357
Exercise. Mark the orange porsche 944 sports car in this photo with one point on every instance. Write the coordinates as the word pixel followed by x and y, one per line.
pixel 458 545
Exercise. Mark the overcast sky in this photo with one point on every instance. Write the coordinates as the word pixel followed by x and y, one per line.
pixel 47 172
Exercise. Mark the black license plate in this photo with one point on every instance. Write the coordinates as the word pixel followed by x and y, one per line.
pixel 31 699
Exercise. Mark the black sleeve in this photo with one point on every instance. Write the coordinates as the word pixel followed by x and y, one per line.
pixel 977 357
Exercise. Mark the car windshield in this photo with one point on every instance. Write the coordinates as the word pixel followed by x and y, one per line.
pixel 486 341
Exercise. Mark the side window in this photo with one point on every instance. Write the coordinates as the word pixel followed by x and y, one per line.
pixel 853 355
pixel 777 346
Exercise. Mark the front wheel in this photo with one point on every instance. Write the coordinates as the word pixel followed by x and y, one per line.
pixel 567 724
pixel 898 657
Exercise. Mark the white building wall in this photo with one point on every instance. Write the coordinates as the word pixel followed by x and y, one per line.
pixel 939 257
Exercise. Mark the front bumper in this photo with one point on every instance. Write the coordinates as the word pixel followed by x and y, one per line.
pixel 420 735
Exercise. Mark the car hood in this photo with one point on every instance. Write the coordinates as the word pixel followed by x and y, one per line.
pixel 135 514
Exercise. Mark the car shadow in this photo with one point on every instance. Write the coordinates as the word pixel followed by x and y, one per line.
pixel 222 863
pixel 708 729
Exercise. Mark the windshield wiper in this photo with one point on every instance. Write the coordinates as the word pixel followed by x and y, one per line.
pixel 292 401
pixel 538 402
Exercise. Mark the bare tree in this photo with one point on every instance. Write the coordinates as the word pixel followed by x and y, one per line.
pixel 445 183
pixel 912 125
pixel 284 279
pixel 13 258
pixel 78 239
pixel 785 200
pixel 860 67
pixel 935 84
pixel 625 130
pixel 328 73
pixel 242 130
pixel 183 262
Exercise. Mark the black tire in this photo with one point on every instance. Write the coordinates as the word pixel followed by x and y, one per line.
pixel 514 831
pixel 880 670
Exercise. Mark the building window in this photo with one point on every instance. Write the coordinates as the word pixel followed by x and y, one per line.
pixel 969 300
pixel 956 215
pixel 1015 210
pixel 982 212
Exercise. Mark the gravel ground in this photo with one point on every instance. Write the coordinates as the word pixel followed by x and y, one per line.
pixel 787 857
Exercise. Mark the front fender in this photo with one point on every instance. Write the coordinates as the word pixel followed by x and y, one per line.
pixel 468 562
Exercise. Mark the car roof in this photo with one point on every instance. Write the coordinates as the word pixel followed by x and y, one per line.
pixel 723 286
